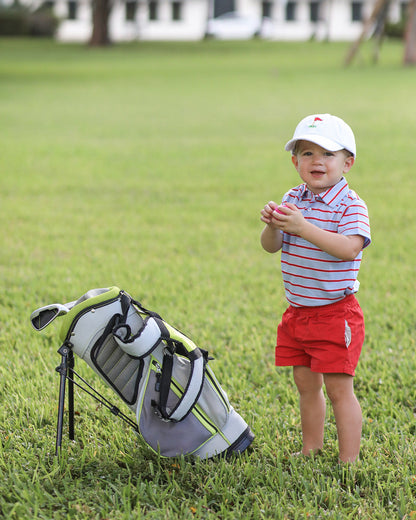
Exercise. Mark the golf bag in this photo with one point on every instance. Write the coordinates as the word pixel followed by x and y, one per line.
pixel 156 370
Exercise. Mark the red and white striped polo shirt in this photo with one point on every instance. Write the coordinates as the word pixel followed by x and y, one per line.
pixel 312 277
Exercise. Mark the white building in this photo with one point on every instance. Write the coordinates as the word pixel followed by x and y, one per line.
pixel 187 19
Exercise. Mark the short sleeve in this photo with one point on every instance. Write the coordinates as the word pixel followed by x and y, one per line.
pixel 355 221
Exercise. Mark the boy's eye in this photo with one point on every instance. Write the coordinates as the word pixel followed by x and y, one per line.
pixel 308 153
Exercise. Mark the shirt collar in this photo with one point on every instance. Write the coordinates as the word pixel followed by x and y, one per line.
pixel 332 197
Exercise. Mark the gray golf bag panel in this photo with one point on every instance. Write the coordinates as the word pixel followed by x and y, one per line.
pixel 120 370
pixel 162 376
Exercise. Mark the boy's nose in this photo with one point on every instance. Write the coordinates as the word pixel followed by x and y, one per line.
pixel 318 158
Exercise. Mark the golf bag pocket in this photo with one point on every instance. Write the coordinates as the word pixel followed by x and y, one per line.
pixel 189 433
pixel 120 371
pixel 161 375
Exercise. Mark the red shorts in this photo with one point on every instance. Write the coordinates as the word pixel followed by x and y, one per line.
pixel 328 339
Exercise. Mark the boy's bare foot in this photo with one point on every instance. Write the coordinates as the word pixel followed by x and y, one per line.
pixel 312 453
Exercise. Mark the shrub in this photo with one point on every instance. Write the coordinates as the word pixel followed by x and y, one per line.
pixel 396 30
pixel 13 21
pixel 42 23
pixel 20 21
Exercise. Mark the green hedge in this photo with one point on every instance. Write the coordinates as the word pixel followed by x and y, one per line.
pixel 19 21
pixel 396 30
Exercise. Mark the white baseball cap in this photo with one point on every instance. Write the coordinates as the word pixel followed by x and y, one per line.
pixel 326 130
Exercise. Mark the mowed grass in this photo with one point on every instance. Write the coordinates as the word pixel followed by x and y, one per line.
pixel 146 166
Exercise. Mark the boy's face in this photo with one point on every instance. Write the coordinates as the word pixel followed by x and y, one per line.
pixel 320 169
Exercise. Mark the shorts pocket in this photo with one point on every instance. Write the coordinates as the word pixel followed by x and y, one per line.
pixel 347 334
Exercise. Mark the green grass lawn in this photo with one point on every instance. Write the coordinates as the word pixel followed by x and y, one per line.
pixel 146 166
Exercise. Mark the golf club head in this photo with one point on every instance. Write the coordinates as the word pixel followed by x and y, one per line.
pixel 44 316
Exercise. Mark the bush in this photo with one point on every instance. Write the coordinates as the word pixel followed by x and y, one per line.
pixel 396 30
pixel 42 23
pixel 20 21
pixel 13 21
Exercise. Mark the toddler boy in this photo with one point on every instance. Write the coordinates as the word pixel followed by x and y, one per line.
pixel 321 227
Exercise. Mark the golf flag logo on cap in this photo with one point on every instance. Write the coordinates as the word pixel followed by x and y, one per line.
pixel 313 125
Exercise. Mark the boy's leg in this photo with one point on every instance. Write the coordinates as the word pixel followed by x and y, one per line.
pixel 347 411
pixel 312 408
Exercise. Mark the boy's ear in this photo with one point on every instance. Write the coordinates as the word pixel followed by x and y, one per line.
pixel 349 162
pixel 295 161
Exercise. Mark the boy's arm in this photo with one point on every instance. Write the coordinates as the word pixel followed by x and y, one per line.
pixel 271 238
pixel 344 247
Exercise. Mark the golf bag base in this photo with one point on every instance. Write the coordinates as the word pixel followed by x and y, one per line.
pixel 161 375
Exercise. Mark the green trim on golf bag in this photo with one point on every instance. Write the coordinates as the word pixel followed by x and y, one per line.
pixel 159 373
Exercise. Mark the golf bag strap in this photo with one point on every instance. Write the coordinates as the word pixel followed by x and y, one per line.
pixel 193 388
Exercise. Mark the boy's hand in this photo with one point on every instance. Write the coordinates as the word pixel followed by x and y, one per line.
pixel 289 219
pixel 268 214
pixel 271 237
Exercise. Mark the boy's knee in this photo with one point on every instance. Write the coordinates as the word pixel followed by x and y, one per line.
pixel 338 387
pixel 334 395
pixel 307 381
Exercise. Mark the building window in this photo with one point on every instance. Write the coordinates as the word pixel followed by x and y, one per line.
pixel 356 11
pixel 314 11
pixel 72 9
pixel 153 8
pixel 176 11
pixel 290 14
pixel 48 5
pixel 266 9
pixel 131 7
pixel 223 6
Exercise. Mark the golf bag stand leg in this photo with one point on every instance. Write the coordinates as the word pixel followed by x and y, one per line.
pixel 66 371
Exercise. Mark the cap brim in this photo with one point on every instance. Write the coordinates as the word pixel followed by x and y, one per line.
pixel 324 142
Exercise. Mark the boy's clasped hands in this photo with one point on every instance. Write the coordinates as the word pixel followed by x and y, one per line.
pixel 286 217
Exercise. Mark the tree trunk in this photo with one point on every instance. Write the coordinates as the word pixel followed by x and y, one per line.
pixel 100 15
pixel 410 35
pixel 378 8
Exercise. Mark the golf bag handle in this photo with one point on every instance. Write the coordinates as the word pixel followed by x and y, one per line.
pixel 142 343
